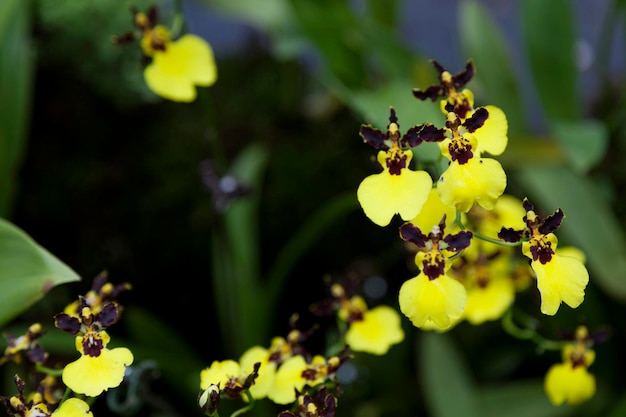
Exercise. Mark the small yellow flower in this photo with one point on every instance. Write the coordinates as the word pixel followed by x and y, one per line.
pixel 571 381
pixel 91 375
pixel 561 279
pixel 433 299
pixel 565 383
pixel 470 178
pixel 492 135
pixel 560 276
pixel 179 67
pixel 376 332
pixel 388 193
pixel 397 189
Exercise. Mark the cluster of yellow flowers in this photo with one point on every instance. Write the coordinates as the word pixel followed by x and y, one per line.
pixel 95 371
pixel 287 374
pixel 464 229
pixel 174 67
pixel 282 373
pixel 469 194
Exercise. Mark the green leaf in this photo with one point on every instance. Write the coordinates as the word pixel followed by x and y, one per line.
pixel 548 37
pixel 27 271
pixel 589 223
pixel 271 17
pixel 332 27
pixel 448 385
pixel 16 74
pixel 519 399
pixel 484 43
pixel 236 259
pixel 373 105
pixel 585 142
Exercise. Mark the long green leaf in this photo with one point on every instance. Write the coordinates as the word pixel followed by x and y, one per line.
pixel 448 386
pixel 496 76
pixel 27 271
pixel 331 26
pixel 585 142
pixel 548 36
pixel 589 221
pixel 236 258
pixel 16 73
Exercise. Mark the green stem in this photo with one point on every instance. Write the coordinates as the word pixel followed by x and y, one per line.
pixel 178 23
pixel 247 408
pixel 528 334
pixel 480 236
pixel 49 371
pixel 496 241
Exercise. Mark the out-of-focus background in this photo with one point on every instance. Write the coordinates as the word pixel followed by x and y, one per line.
pixel 108 176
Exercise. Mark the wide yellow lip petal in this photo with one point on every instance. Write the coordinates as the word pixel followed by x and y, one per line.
pixel 383 195
pixel 432 304
pixel 480 180
pixel 562 279
pixel 93 375
pixel 566 384
pixel 377 332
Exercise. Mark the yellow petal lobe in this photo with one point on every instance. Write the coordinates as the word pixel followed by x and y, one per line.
pixel 432 304
pixel 480 180
pixel 377 332
pixel 383 195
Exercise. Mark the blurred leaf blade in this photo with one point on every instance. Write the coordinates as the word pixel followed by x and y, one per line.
pixel 236 257
pixel 271 18
pixel 519 399
pixel 445 376
pixel 27 271
pixel 372 105
pixel 16 74
pixel 484 43
pixel 337 39
pixel 585 142
pixel 548 36
pixel 589 224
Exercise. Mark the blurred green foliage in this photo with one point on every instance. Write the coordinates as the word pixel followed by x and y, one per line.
pixel 105 175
